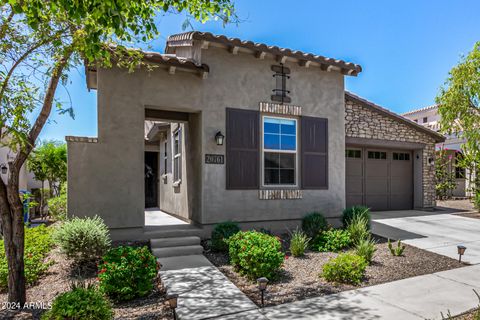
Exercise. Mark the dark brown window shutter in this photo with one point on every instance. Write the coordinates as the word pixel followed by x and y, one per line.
pixel 314 148
pixel 242 143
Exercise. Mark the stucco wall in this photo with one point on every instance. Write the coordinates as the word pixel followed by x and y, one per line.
pixel 363 122
pixel 174 197
pixel 112 169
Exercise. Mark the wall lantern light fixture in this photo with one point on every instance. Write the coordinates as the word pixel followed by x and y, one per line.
pixel 3 168
pixel 431 161
pixel 219 137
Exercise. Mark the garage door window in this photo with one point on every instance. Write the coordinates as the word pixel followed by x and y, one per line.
pixel 401 156
pixel 356 154
pixel 377 155
pixel 279 151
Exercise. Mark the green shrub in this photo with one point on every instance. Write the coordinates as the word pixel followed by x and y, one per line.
pixel 366 249
pixel 38 242
pixel 221 233
pixel 358 229
pixel 82 302
pixel 83 239
pixel 57 206
pixel 313 224
pixel 256 254
pixel 332 240
pixel 398 250
pixel 127 273
pixel 351 212
pixel 476 200
pixel 298 243
pixel 346 268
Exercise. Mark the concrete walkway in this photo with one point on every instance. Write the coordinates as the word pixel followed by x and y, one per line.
pixel 422 297
pixel 439 233
pixel 204 292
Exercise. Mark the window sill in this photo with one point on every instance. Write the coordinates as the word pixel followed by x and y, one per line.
pixel 280 194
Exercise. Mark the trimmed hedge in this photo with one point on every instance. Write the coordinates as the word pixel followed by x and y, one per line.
pixel 256 254
pixel 345 268
pixel 80 303
pixel 127 273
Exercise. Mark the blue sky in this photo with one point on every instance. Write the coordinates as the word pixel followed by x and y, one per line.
pixel 406 48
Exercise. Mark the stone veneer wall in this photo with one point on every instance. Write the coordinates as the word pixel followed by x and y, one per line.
pixel 364 122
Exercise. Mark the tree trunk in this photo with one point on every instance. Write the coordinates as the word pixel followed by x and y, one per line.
pixel 10 203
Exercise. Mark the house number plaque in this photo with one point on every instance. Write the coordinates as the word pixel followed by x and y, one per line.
pixel 214 159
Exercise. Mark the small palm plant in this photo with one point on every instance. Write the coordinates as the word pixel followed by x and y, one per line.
pixel 298 243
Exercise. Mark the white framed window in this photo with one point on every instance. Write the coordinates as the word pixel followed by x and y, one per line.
pixel 279 152
pixel 177 155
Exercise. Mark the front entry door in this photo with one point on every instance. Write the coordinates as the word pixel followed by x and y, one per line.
pixel 151 179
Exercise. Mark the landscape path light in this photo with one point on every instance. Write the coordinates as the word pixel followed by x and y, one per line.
pixel 172 300
pixel 262 286
pixel 461 251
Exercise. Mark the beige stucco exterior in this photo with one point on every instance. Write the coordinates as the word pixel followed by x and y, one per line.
pixel 106 176
pixel 106 173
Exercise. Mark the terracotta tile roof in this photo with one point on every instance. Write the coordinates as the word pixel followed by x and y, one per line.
pixel 354 98
pixel 173 60
pixel 420 110
pixel 187 38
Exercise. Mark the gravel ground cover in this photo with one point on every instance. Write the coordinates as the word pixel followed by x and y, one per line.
pixel 471 315
pixel 58 279
pixel 299 277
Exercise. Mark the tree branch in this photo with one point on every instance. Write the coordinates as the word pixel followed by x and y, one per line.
pixel 39 122
pixel 4 27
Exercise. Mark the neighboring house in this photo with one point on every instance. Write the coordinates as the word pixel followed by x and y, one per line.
pixel 6 155
pixel 295 141
pixel 430 118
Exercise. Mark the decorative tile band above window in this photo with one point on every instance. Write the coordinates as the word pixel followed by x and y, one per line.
pixel 280 194
pixel 278 108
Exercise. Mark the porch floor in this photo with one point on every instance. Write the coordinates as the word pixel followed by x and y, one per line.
pixel 156 217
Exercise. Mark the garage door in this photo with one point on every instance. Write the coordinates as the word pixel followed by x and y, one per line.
pixel 380 179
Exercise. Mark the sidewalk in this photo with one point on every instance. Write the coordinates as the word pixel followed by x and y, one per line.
pixel 422 297
pixel 205 293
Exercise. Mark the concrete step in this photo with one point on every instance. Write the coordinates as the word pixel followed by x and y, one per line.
pixel 173 233
pixel 174 242
pixel 177 251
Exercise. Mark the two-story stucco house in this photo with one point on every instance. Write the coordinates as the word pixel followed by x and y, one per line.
pixel 464 178
pixel 225 129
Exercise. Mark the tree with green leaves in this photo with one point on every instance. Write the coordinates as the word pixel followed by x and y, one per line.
pixel 41 40
pixel 48 162
pixel 459 107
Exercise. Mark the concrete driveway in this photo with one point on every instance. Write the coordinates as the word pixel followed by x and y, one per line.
pixel 436 231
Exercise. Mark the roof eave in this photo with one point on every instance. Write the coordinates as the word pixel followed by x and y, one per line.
pixel 188 39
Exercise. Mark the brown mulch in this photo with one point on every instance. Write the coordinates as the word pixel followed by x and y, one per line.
pixel 299 277
pixel 58 279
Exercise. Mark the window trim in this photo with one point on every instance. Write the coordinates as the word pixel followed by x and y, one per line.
pixel 263 150
pixel 177 131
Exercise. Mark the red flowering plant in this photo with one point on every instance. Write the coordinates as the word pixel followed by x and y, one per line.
pixel 127 273
pixel 256 254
